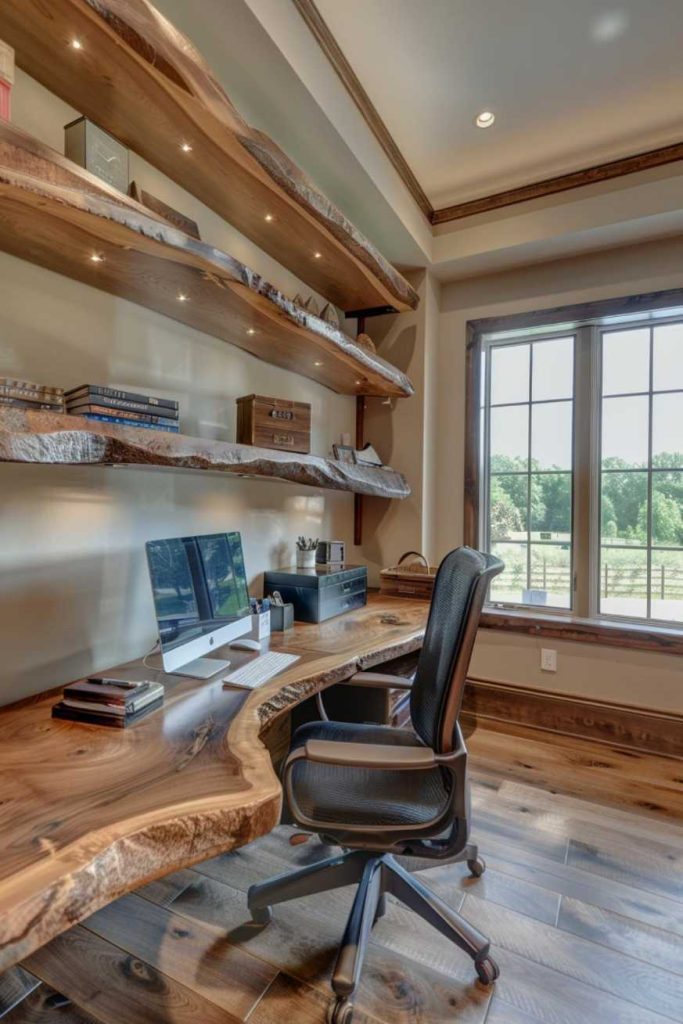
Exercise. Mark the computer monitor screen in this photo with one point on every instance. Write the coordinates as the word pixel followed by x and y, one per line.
pixel 200 596
pixel 223 564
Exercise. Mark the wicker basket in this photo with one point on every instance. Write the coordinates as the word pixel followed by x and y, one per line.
pixel 412 577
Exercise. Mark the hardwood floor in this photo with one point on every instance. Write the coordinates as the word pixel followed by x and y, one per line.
pixel 607 774
pixel 583 904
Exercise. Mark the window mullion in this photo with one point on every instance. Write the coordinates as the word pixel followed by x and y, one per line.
pixel 583 447
pixel 648 570
pixel 528 479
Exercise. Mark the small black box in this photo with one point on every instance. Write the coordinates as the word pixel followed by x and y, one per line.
pixel 330 552
pixel 320 593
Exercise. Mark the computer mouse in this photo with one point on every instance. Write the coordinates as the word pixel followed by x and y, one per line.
pixel 246 644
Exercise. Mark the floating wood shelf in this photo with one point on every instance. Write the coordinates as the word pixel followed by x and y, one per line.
pixel 58 215
pixel 55 439
pixel 134 74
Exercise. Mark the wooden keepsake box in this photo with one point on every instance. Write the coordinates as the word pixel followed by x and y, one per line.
pixel 274 423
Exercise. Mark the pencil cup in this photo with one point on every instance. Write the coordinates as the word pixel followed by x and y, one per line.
pixel 260 625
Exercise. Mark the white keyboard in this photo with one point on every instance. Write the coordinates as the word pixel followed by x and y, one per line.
pixel 260 670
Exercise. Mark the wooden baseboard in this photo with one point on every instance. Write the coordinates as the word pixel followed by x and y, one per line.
pixel 655 732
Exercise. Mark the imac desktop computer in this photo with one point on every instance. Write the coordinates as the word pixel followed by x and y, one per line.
pixel 201 599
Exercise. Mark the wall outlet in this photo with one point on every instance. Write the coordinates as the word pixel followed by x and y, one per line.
pixel 548 660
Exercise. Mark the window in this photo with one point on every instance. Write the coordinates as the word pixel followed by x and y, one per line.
pixel 530 459
pixel 578 470
pixel 641 473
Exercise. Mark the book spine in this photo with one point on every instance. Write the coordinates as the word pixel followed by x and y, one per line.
pixel 118 721
pixel 28 385
pixel 73 693
pixel 121 396
pixel 31 394
pixel 22 403
pixel 118 403
pixel 130 423
pixel 89 707
pixel 138 417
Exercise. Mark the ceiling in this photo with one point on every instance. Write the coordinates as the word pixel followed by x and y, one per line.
pixel 269 94
pixel 573 83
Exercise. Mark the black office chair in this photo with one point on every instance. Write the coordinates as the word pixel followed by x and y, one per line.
pixel 378 791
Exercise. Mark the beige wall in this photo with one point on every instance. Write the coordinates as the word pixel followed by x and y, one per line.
pixel 73 589
pixel 400 430
pixel 651 680
pixel 74 594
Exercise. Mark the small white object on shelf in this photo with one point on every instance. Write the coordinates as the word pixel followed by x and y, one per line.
pixel 367 456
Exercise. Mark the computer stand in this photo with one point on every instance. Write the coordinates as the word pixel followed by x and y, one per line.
pixel 202 668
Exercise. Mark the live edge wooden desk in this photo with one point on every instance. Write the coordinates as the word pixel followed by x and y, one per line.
pixel 88 813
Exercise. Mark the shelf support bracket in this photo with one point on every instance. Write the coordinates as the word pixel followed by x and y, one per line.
pixel 360 441
pixel 358 498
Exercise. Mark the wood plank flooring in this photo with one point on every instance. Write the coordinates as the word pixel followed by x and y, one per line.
pixel 583 903
pixel 596 771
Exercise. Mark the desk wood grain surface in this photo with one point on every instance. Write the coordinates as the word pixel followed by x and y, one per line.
pixel 89 813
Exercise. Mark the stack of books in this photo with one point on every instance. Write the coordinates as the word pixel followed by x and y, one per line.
pixel 24 394
pixel 105 701
pixel 108 405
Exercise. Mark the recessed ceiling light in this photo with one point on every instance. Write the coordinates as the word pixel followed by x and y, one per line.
pixel 485 119
pixel 76 44
pixel 359 382
pixel 96 257
pixel 609 26
pixel 269 217
pixel 186 147
pixel 251 330
pixel 317 364
pixel 318 255
pixel 182 297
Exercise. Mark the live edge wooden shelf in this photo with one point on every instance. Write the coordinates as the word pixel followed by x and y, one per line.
pixel 55 439
pixel 58 215
pixel 142 80
pixel 90 813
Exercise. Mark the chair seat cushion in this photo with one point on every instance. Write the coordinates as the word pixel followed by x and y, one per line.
pixel 364 797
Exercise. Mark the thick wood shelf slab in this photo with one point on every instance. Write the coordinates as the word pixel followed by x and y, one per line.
pixel 58 215
pixel 91 812
pixel 54 439
pixel 143 81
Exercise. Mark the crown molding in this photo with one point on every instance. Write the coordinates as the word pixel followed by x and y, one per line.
pixel 330 47
pixel 562 183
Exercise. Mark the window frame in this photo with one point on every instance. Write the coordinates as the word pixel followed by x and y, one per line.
pixel 488 343
pixel 586 321
pixel 597 474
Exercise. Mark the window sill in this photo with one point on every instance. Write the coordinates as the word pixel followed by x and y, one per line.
pixel 586 631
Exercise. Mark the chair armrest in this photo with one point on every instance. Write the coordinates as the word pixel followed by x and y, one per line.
pixel 379 679
pixel 369 755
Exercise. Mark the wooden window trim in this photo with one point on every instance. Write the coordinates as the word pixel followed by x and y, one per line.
pixel 562 627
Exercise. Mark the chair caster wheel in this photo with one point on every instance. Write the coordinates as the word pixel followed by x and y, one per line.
pixel 477 867
pixel 487 970
pixel 340 1012
pixel 262 915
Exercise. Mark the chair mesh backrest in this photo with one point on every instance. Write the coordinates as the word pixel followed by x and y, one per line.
pixel 459 591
